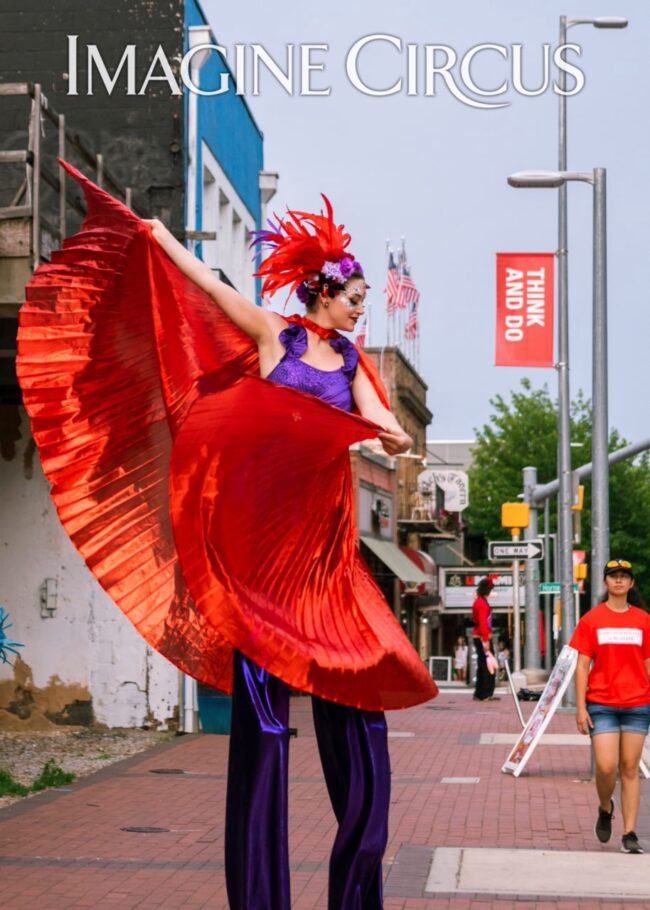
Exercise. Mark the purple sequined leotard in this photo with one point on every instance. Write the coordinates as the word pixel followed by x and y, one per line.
pixel 332 386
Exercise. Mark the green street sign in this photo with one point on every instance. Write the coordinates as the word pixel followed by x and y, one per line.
pixel 553 587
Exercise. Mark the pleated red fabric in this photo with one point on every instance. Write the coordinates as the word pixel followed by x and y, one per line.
pixel 213 506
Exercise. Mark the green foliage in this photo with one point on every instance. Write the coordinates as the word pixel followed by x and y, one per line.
pixel 629 494
pixel 9 786
pixel 523 432
pixel 51 776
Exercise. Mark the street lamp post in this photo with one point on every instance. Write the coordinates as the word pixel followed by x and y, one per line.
pixel 600 434
pixel 565 493
pixel 600 427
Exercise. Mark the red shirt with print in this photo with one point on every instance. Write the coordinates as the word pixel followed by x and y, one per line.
pixel 618 644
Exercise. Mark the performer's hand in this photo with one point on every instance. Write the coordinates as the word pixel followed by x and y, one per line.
pixel 395 442
pixel 158 230
pixel 583 721
pixel 183 258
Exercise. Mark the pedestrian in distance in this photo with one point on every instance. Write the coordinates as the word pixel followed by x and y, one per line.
pixel 482 634
pixel 613 696
pixel 460 658
pixel 503 657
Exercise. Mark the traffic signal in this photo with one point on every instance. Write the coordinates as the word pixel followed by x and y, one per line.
pixel 514 515
pixel 578 498
pixel 580 571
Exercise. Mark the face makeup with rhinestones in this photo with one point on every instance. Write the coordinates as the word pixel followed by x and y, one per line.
pixel 347 307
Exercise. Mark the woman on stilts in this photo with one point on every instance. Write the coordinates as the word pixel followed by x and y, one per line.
pixel 178 425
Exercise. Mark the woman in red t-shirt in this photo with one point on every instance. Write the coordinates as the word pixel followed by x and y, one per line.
pixel 613 696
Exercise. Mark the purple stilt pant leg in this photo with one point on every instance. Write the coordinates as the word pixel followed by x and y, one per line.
pixel 257 853
pixel 353 747
pixel 354 753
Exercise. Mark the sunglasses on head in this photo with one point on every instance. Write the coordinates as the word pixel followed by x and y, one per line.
pixel 619 563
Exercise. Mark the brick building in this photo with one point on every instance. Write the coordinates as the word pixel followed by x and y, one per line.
pixel 414 582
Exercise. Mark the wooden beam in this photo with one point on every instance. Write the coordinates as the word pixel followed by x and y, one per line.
pixel 15 88
pixel 16 156
pixel 15 211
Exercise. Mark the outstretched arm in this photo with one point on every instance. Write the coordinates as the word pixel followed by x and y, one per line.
pixel 393 439
pixel 253 320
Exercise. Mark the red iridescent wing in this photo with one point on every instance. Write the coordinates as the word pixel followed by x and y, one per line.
pixel 213 506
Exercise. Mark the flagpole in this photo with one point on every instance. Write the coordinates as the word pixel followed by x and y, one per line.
pixel 402 340
pixel 397 292
pixel 417 342
pixel 408 298
pixel 413 358
pixel 395 321
pixel 386 313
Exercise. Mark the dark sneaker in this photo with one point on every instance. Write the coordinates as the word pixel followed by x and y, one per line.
pixel 603 829
pixel 630 843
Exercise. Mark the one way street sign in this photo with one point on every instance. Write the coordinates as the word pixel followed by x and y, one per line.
pixel 506 550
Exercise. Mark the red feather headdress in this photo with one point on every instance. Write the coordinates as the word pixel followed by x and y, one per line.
pixel 308 251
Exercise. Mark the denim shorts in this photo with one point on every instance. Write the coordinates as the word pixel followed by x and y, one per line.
pixel 610 719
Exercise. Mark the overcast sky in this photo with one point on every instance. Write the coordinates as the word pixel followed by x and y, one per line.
pixel 433 169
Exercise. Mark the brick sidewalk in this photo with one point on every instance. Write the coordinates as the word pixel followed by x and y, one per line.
pixel 67 850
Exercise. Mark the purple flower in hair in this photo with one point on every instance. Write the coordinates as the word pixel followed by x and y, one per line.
pixel 332 270
pixel 342 269
pixel 302 293
pixel 346 267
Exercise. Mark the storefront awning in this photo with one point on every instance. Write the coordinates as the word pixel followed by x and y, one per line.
pixel 392 557
pixel 427 565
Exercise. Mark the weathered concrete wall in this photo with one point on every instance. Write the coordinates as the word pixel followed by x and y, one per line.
pixel 141 136
pixel 85 663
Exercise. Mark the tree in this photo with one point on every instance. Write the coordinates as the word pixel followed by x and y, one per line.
pixel 523 432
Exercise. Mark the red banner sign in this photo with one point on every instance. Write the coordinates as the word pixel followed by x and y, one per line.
pixel 524 310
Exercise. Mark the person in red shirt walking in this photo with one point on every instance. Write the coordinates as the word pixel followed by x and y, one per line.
pixel 482 633
pixel 613 696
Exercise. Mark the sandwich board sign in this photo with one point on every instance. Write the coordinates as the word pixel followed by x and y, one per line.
pixel 546 707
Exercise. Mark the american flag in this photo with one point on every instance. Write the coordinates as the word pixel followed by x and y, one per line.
pixel 361 334
pixel 411 324
pixel 407 293
pixel 391 286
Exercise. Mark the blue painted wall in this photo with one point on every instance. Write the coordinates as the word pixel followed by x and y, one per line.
pixel 226 124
